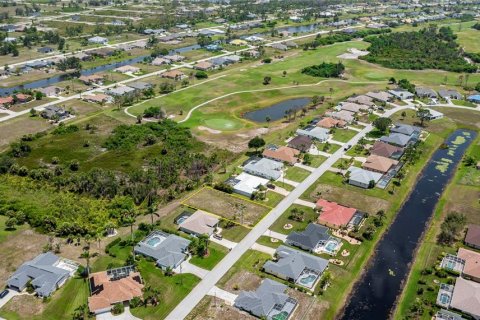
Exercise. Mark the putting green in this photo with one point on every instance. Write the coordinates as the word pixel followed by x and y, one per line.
pixel 223 124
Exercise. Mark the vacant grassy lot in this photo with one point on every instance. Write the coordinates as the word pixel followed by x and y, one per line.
pixel 309 216
pixel 216 253
pixel 296 174
pixel 344 135
pixel 228 206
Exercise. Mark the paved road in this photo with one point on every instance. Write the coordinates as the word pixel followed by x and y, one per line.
pixel 209 281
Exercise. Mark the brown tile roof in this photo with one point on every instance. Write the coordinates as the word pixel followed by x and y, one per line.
pixel 378 163
pixel 283 154
pixel 173 74
pixel 100 97
pixel 384 149
pixel 106 292
pixel 203 65
pixel 466 296
pixel 200 223
pixel 472 262
pixel 302 143
pixel 473 235
pixel 6 100
pixel 329 122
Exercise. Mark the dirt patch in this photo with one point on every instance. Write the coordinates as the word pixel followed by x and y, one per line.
pixel 209 308
pixel 227 206
pixel 26 305
pixel 466 201
pixel 349 198
pixel 243 280
pixel 213 131
pixel 308 307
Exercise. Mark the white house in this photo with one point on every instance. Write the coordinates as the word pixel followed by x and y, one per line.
pixel 98 40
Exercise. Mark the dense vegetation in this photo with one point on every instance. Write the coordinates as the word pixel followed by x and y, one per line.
pixel 325 70
pixel 429 48
pixel 476 26
pixel 341 37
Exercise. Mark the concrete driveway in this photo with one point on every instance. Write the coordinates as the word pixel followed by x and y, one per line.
pixel 224 242
pixel 126 315
pixel 276 235
pixel 10 295
pixel 264 249
pixel 187 267
pixel 226 296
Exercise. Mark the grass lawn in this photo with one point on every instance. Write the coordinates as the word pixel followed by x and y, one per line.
pixel 329 148
pixel 4 234
pixel 172 290
pixel 266 241
pixel 310 216
pixel 316 161
pixel 233 232
pixel 216 253
pixel 344 135
pixel 464 103
pixel 285 186
pixel 296 174
pixel 273 199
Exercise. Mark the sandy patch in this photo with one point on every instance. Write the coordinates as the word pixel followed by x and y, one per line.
pixel 242 280
pixel 209 130
pixel 352 53
pixel 210 308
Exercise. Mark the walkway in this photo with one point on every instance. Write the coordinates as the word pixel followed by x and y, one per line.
pixel 264 249
pixel 224 242
pixel 126 315
pixel 276 235
pixel 182 310
pixel 187 267
pixel 226 296
pixel 290 182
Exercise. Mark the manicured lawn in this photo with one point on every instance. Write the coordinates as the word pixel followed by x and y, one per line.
pixel 266 241
pixel 310 216
pixel 344 135
pixel 286 186
pixel 216 253
pixel 330 147
pixel 172 290
pixel 234 233
pixel 316 161
pixel 296 174
pixel 464 103
pixel 252 261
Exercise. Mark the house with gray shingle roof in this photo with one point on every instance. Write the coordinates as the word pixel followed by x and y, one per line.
pixel 316 133
pixel 363 178
pixel 310 239
pixel 46 273
pixel 120 91
pixel 407 129
pixel 268 301
pixel 423 92
pixel 168 250
pixel 451 94
pixel 397 139
pixel 296 266
pixel 265 168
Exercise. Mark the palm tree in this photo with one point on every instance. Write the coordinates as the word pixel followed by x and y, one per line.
pixel 86 255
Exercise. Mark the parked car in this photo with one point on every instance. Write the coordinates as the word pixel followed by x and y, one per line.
pixel 347 147
pixel 217 236
pixel 3 293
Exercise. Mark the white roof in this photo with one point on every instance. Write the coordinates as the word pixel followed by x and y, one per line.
pixel 435 113
pixel 318 133
pixel 248 183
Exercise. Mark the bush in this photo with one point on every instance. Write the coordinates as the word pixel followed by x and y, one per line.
pixel 225 187
pixel 201 75
pixel 135 302
pixel 325 70
pixel 63 129
pixel 118 308
pixel 112 244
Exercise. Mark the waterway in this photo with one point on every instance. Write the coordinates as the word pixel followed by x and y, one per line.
pixel 276 111
pixel 375 294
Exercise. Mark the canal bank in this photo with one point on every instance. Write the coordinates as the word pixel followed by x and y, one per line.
pixel 373 297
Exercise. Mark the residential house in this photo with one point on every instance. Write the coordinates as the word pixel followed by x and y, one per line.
pixel 98 40
pixel 316 133
pixel 251 53
pixel 45 50
pixel 466 297
pixel 474 98
pixel 82 56
pixel 233 58
pixel 328 123
pixel 423 92
pixel 352 107
pixel 22 97
pixel 447 315
pixel 159 61
pixel 381 96
pixel 269 301
pixel 175 58
pixel 471 268
pixel 9 39
pixel 279 46
pixel 254 39
pixel 51 91
pixel 46 273
pixel 362 99
pixel 401 94
pixel 408 130
pixel 290 44
pixel 434 114
pixel 265 168
pixel 301 143
pixel 379 164
pixel 283 154
pixel 344 115
pixel 383 149
pixel 200 223
pixel 94 78
pixel 174 74
pixel 120 91
pixel 296 266
pixel 168 250
pixel 472 239
pixel 219 62
pixel 127 69
pixel 114 286
pixel 55 113
pixel 238 42
pixel 334 215
pixel 363 178
pixel 312 239
pixel 6 102
pixel 450 94
pixel 98 98
pixel 140 85
pixel 204 66
pixel 397 139
pixel 246 184
pixel 102 52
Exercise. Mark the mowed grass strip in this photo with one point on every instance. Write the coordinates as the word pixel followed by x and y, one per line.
pixel 228 206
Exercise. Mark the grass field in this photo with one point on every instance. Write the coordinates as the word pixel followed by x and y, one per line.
pixel 216 253
pixel 227 206
pixel 296 174
pixel 343 135
pixel 310 216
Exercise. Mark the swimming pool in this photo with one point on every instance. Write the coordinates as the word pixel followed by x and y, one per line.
pixel 307 279
pixel 154 241
pixel 331 247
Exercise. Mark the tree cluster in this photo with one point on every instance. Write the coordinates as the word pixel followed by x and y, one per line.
pixel 325 70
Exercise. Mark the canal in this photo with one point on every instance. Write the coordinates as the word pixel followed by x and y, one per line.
pixel 375 294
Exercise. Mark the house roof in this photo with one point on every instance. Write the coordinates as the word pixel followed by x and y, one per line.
pixel 362 99
pixel 318 133
pixel 334 214
pixel 200 223
pixel 6 100
pixel 204 65
pixel 168 251
pixel 246 183
pixel 99 97
pixel 422 91
pixel 283 154
pixel 261 301
pixel 381 95
pixel 140 85
pixel 291 263
pixel 466 296
pixel 472 262
pixel 396 139
pixel 120 91
pixel 342 115
pixel 450 94
pixel 363 176
pixel 265 167
pixel 42 271
pixel 329 122
pixel 352 107
pixel 406 129
pixel 50 90
pixel 379 163
pixel 127 68
pixel 310 237
pixel 473 235
pixel 302 143
pixel 107 290
pixel 385 150
pixel 173 74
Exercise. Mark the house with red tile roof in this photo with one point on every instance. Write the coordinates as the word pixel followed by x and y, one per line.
pixel 334 215
pixel 174 74
pixel 386 150
pixel 114 286
pixel 6 102
pixel 22 98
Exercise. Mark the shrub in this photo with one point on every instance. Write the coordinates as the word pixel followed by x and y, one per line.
pixel 201 75
pixel 118 308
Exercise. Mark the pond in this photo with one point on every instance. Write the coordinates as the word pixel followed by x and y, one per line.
pixel 276 111
pixel 375 294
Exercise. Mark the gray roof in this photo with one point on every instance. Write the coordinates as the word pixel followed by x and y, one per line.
pixel 318 133
pixel 363 176
pixel 169 252
pixel 406 129
pixel 310 237
pixel 425 92
pixel 266 168
pixel 261 301
pixel 291 263
pixel 119 91
pixel 139 85
pixel 42 272
pixel 397 139
pixel 453 94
